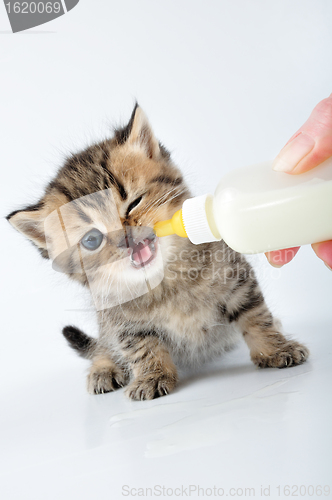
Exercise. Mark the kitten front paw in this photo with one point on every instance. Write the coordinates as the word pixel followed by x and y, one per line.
pixel 151 387
pixel 290 354
pixel 101 381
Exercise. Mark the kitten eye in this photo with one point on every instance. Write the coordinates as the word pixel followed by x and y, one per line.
pixel 92 240
pixel 134 204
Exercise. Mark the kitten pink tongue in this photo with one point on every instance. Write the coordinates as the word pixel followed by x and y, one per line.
pixel 142 253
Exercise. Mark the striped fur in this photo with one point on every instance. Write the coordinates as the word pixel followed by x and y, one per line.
pixel 208 298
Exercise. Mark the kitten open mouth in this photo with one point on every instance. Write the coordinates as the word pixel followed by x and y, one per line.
pixel 143 252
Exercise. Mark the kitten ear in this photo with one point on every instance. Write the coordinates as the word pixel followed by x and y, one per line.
pixel 140 133
pixel 30 222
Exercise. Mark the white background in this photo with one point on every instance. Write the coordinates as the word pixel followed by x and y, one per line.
pixel 225 84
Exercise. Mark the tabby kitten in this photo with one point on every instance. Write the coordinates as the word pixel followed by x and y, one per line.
pixel 160 303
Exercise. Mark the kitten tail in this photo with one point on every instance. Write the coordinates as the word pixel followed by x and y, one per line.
pixel 83 344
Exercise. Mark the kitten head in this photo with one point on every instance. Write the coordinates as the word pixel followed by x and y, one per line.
pixel 96 217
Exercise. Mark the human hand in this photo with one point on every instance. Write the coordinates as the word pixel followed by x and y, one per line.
pixel 306 149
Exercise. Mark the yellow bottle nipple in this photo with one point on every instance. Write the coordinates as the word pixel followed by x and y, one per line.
pixel 172 226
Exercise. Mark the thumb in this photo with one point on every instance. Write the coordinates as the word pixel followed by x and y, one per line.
pixel 311 144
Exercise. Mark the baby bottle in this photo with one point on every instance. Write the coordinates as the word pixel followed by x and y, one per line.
pixel 256 209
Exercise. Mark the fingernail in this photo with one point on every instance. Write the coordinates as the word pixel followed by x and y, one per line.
pixel 293 153
pixel 328 267
pixel 269 259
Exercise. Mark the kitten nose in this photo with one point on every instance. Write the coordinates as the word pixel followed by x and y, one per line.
pixel 126 241
pixel 135 234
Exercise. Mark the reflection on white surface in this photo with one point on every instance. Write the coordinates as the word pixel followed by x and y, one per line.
pixel 210 424
pixel 229 424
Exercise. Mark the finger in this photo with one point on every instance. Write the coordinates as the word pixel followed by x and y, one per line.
pixel 278 258
pixel 323 250
pixel 311 144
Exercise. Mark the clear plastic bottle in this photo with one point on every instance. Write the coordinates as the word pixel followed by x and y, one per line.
pixel 255 209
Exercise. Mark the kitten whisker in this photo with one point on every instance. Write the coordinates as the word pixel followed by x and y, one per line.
pixel 164 199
